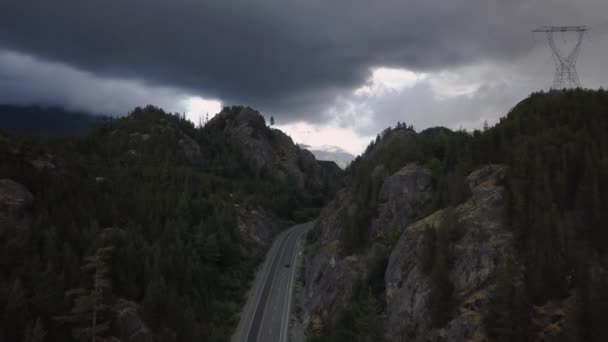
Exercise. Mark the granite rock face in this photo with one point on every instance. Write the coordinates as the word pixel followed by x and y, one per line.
pixel 330 275
pixel 476 254
pixel 481 242
pixel 401 196
pixel 257 228
pixel 190 148
pixel 272 153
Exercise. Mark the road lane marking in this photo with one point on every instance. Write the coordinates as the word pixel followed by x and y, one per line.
pixel 276 267
pixel 290 288
pixel 280 245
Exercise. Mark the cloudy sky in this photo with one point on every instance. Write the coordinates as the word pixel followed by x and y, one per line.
pixel 332 72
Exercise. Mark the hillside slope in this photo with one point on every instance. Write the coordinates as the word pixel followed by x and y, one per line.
pixel 272 154
pixel 451 236
pixel 172 219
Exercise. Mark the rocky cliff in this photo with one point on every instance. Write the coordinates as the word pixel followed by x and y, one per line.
pixel 477 247
pixel 330 274
pixel 478 242
pixel 272 153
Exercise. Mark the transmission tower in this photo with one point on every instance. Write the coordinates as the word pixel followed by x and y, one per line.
pixel 565 65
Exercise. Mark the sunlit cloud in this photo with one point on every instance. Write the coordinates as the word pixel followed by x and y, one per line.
pixel 331 135
pixel 199 109
pixel 385 79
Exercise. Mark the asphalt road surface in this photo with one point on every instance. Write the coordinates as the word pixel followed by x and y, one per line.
pixel 266 314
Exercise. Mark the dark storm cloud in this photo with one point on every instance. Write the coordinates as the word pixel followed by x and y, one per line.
pixel 25 81
pixel 278 55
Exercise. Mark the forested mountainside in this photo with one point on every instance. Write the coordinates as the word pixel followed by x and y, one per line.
pixel 498 235
pixel 154 222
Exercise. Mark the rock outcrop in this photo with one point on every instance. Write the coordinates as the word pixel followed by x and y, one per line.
pixel 43 163
pixel 190 148
pixel 129 324
pixel 402 195
pixel 477 245
pixel 14 198
pixel 483 241
pixel 270 152
pixel 330 275
pixel 257 228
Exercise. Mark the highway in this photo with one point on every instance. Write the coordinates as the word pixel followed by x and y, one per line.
pixel 266 313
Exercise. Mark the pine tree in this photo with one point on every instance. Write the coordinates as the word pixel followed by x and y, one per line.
pixel 35 333
pixel 88 313
pixel 507 316
pixel 272 121
pixel 15 312
pixel 155 301
pixel 427 252
pixel 441 298
pixel 499 318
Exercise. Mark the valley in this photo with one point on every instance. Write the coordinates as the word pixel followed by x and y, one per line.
pixel 195 232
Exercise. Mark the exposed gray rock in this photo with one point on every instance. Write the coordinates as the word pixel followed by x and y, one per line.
pixel 14 198
pixel 330 276
pixel 256 228
pixel 329 283
pixel 42 164
pixel 401 197
pixel 476 255
pixel 191 149
pixel 272 153
pixel 467 324
pixel 129 323
pixel 551 318
pixel 407 288
pixel 488 172
pixel 331 220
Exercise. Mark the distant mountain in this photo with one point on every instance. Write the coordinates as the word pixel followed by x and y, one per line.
pixel 41 121
pixel 331 153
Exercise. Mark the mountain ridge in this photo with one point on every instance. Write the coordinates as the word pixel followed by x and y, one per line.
pixel 436 235
pixel 451 235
